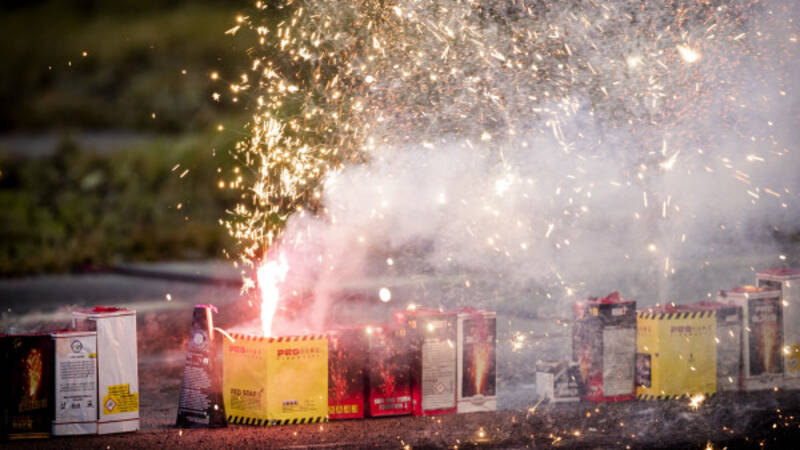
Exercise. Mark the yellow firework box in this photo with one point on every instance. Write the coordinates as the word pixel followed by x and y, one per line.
pixel 676 353
pixel 275 381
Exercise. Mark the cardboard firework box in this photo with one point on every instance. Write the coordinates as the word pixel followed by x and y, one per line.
pixel 788 282
pixel 388 371
pixel 347 366
pixel 27 390
pixel 728 340
pixel 604 345
pixel 75 383
pixel 117 366
pixel 557 382
pixel 200 404
pixel 677 354
pixel 275 380
pixel 432 343
pixel 762 340
pixel 477 361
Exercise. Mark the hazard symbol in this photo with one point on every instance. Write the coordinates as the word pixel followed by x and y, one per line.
pixel 439 388
pixel 110 404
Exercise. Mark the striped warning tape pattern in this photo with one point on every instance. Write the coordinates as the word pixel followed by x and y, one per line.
pixel 670 397
pixel 680 315
pixel 244 420
pixel 250 337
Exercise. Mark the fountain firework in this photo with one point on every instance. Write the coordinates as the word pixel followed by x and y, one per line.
pixel 514 147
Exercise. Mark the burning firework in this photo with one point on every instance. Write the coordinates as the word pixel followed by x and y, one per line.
pixel 596 116
pixel 270 274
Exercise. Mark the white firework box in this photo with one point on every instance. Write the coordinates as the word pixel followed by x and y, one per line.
pixel 75 383
pixel 476 372
pixel 762 340
pixel 557 382
pixel 117 366
pixel 787 280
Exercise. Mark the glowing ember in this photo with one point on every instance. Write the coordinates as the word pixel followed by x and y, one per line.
pixel 269 275
pixel 696 401
pixel 688 54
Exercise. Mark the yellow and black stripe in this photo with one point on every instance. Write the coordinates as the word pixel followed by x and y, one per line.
pixel 243 420
pixel 687 396
pixel 270 340
pixel 675 316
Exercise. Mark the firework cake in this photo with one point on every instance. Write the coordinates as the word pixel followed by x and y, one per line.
pixel 476 344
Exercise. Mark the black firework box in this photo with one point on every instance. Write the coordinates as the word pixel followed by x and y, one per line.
pixel 27 391
pixel 200 404
pixel 432 345
pixel 604 345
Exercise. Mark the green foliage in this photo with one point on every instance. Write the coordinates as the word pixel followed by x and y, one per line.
pixel 77 208
pixel 133 67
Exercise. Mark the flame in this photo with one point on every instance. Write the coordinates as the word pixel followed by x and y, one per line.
pixel 480 354
pixel 480 365
pixel 269 275
pixel 34 365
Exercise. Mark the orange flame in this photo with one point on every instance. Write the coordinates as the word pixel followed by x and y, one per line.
pixel 269 275
pixel 480 365
pixel 34 365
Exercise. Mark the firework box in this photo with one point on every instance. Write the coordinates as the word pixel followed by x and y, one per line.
pixel 677 354
pixel 604 345
pixel 557 382
pixel 728 340
pixel 388 371
pixel 27 386
pixel 275 380
pixel 432 343
pixel 117 366
pixel 75 383
pixel 788 282
pixel 200 404
pixel 762 341
pixel 476 342
pixel 347 365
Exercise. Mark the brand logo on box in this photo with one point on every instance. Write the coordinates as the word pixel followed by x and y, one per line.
pixel 298 353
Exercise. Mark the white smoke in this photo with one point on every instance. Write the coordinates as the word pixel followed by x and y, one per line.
pixel 568 205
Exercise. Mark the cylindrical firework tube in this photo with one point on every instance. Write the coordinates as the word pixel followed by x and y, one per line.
pixel 200 403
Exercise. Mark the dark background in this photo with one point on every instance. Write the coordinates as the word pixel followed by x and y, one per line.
pixel 105 106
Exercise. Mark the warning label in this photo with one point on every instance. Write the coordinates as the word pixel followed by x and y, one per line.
pixel 120 400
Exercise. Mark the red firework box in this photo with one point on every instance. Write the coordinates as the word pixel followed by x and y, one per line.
pixel 762 340
pixel 347 366
pixel 27 391
pixel 477 361
pixel 388 371
pixel 432 343
pixel 787 280
pixel 604 345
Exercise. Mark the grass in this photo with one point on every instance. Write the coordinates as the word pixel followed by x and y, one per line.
pixel 77 208
pixel 138 61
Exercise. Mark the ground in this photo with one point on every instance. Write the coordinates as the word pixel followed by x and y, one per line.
pixel 769 418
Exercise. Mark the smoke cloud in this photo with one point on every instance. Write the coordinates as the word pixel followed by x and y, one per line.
pixel 569 152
